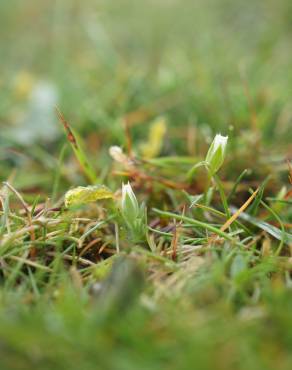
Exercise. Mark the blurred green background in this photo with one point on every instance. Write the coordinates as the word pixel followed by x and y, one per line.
pixel 206 66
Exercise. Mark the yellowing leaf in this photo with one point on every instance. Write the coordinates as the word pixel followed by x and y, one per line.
pixel 84 195
pixel 157 132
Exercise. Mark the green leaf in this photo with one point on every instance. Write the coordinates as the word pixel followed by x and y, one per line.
pixel 270 229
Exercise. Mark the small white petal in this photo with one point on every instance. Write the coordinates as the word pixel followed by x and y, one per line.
pixel 220 141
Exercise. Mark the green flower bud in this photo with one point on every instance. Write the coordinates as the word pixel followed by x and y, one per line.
pixel 129 205
pixel 134 215
pixel 216 154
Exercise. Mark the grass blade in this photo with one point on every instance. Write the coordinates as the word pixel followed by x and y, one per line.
pixel 74 141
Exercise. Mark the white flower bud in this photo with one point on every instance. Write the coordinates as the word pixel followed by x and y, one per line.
pixel 216 153
pixel 129 206
pixel 118 155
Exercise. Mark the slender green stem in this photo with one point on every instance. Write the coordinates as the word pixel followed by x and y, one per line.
pixel 222 195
